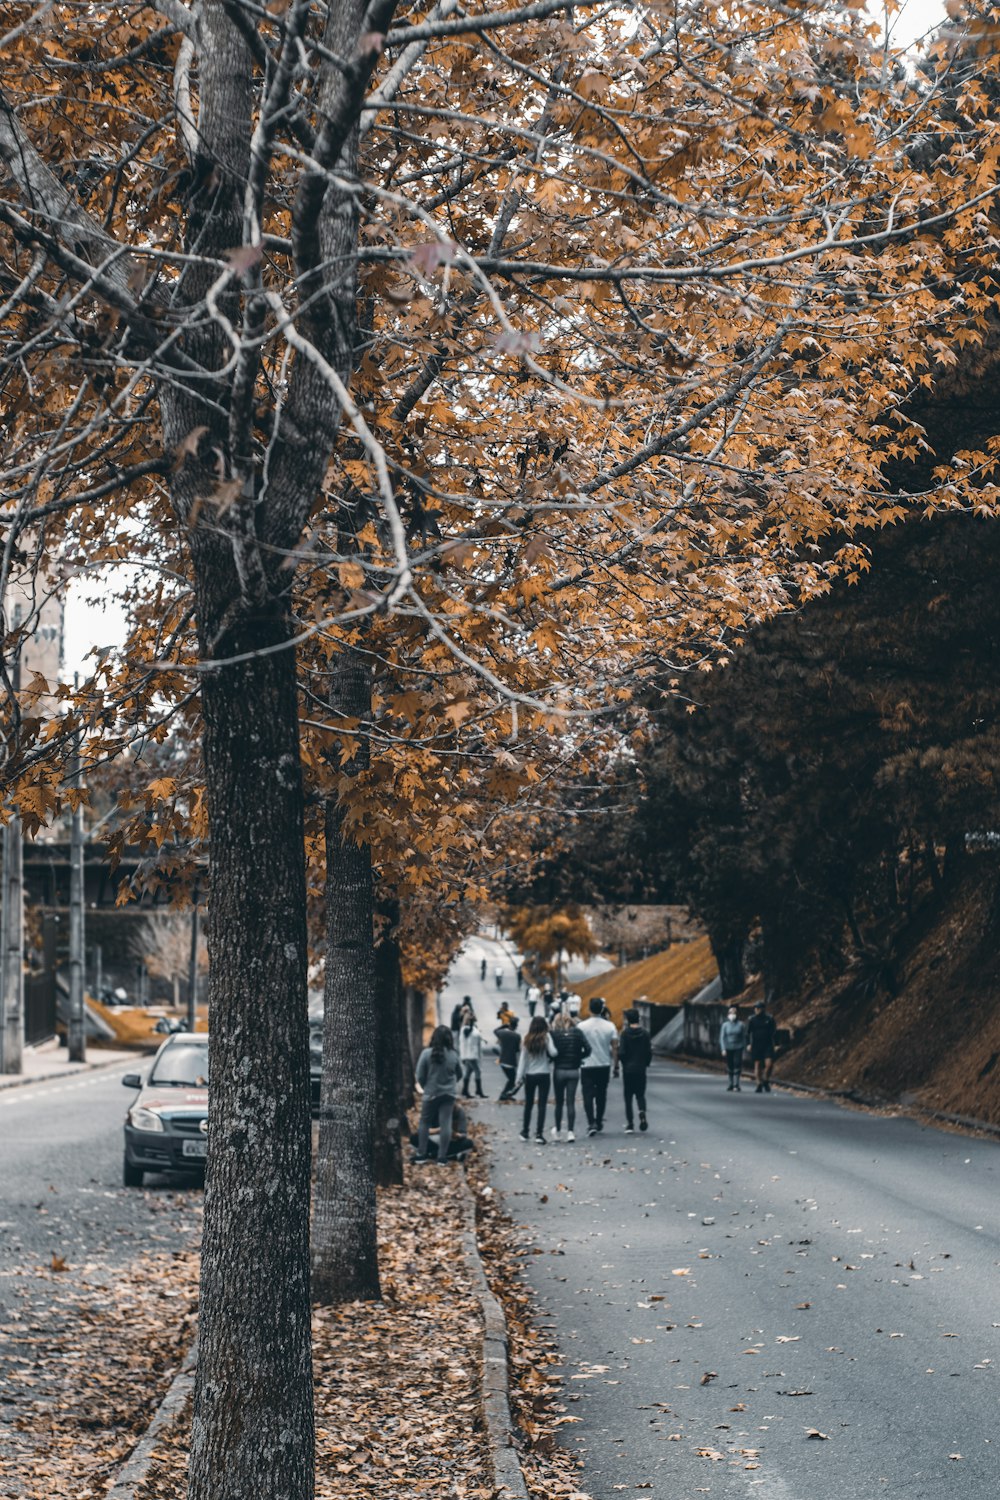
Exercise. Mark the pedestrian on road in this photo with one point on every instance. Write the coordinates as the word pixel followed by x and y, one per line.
pixel 509 1042
pixel 520 975
pixel 505 1015
pixel 470 1054
pixel 571 1049
pixel 533 994
pixel 595 1070
pixel 547 1000
pixel 534 1069
pixel 733 1041
pixel 574 1003
pixel 760 1034
pixel 458 1013
pixel 482 969
pixel 635 1053
pixel 438 1072
pixel 498 976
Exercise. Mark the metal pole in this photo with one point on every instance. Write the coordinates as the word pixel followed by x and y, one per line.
pixel 12 1010
pixel 193 967
pixel 76 1031
pixel 99 968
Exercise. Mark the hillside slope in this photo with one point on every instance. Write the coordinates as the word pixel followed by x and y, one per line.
pixel 937 1041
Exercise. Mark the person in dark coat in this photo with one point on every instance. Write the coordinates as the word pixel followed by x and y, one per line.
pixel 635 1053
pixel 571 1048
pixel 509 1042
pixel 761 1029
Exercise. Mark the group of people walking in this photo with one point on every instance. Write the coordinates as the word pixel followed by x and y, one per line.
pixel 573 1055
pixel 759 1035
pixel 559 1058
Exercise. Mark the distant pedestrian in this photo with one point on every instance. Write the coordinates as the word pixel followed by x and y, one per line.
pixel 532 995
pixel 509 1044
pixel 505 1015
pixel 595 1070
pixel 733 1041
pixel 534 1070
pixel 761 1028
pixel 482 969
pixel 547 1001
pixel 635 1053
pixel 571 1049
pixel 470 1054
pixel 520 976
pixel 456 1014
pixel 438 1072
pixel 498 976
pixel 574 1003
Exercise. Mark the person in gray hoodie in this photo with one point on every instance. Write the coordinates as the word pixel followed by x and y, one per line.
pixel 733 1040
pixel 438 1073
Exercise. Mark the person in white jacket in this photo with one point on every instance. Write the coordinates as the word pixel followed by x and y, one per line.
pixel 534 1070
pixel 470 1054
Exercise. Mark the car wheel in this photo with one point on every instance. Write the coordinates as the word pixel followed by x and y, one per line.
pixel 131 1176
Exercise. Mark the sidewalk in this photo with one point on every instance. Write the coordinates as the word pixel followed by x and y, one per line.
pixel 49 1060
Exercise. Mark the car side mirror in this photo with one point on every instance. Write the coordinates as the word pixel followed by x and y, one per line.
pixel 132 1081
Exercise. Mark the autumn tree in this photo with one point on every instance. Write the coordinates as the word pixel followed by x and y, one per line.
pixel 497 386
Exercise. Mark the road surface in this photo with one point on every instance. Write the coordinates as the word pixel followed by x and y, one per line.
pixel 766 1295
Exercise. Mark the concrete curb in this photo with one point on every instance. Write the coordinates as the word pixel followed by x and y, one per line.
pixel 508 1481
pixel 21 1080
pixel 134 1471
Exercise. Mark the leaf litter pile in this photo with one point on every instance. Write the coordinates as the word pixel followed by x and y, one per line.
pixel 85 1356
pixel 398 1384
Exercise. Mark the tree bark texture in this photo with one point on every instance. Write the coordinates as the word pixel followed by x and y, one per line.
pixel 389 1030
pixel 344 1245
pixel 253 1419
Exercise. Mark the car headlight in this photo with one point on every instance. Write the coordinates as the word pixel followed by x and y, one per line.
pixel 144 1119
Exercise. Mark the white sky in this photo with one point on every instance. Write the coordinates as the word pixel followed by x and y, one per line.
pixel 87 624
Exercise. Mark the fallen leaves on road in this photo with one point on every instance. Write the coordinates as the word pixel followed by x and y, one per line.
pixel 816 1435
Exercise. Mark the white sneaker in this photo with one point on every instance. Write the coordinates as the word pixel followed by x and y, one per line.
pixel 570 1136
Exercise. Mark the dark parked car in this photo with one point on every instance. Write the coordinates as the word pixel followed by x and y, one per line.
pixel 166 1127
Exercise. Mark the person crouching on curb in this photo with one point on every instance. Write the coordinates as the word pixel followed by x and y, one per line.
pixel 733 1040
pixel 534 1068
pixel 635 1053
pixel 438 1072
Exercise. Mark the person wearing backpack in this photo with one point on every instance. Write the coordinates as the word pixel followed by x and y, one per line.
pixel 635 1053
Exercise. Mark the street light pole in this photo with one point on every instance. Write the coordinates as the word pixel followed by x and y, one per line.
pixel 77 1029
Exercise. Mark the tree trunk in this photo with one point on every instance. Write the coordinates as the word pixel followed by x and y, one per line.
pixel 389 1031
pixel 344 1245
pixel 253 1417
pixel 729 957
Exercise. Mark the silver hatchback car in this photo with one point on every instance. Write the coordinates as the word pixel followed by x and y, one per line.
pixel 166 1127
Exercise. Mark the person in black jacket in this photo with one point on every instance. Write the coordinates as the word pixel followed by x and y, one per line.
pixel 509 1043
pixel 571 1048
pixel 760 1034
pixel 635 1053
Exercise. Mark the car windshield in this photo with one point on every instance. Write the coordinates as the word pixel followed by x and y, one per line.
pixel 185 1064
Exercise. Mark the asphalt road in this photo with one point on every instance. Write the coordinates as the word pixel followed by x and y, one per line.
pixel 757 1269
pixel 61 1186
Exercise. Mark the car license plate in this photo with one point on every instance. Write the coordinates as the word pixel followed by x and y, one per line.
pixel 194 1148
